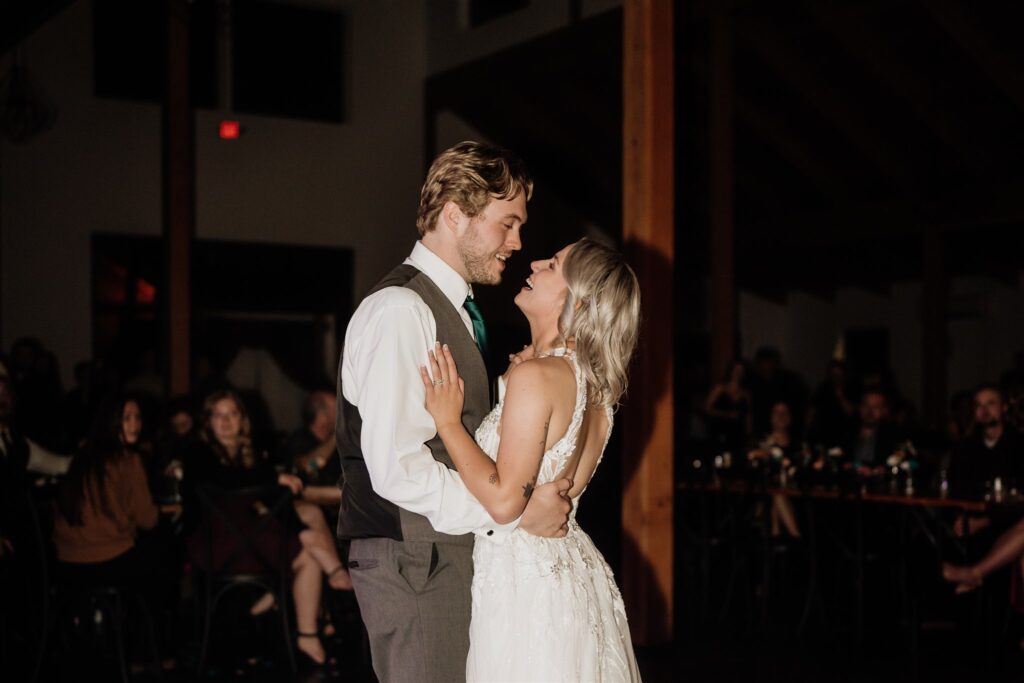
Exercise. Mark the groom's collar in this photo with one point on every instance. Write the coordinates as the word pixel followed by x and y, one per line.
pixel 444 276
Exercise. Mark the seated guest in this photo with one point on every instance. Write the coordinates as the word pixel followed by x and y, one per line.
pixel 33 372
pixel 14 480
pixel 311 452
pixel 728 410
pixel 14 448
pixel 771 381
pixel 20 456
pixel 833 407
pixel 21 460
pixel 226 458
pixel 180 421
pixel 780 445
pixel 992 451
pixel 1012 382
pixel 875 438
pixel 102 503
pixel 178 438
pixel 1008 548
pixel 131 429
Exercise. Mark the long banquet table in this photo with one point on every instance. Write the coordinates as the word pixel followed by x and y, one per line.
pixel 925 513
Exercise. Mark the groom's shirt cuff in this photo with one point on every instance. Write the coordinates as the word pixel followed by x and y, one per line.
pixel 497 532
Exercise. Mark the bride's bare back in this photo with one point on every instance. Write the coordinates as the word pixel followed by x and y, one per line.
pixel 560 388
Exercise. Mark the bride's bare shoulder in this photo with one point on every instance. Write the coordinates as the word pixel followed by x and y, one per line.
pixel 544 369
pixel 541 378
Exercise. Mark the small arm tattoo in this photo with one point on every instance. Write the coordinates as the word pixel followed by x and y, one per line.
pixel 493 479
pixel 528 488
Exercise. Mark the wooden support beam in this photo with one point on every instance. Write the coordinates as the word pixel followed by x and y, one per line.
pixel 866 43
pixel 935 332
pixel 648 232
pixel 1002 66
pixel 179 198
pixel 722 307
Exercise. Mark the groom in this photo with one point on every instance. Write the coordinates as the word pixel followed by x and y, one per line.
pixel 410 518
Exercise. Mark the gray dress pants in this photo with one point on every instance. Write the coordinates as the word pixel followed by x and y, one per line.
pixel 414 597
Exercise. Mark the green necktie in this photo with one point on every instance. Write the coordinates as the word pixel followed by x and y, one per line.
pixel 479 329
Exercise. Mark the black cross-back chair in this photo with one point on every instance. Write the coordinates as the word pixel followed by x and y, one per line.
pixel 264 572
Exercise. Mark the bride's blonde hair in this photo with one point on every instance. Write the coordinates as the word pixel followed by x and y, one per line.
pixel 602 314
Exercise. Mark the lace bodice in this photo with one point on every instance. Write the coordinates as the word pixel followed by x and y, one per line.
pixel 553 463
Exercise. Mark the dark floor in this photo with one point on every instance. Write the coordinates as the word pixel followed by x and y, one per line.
pixel 914 630
pixel 770 659
pixel 250 650
pixel 711 661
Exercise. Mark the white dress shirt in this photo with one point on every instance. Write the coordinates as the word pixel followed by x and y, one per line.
pixel 386 343
pixel 40 460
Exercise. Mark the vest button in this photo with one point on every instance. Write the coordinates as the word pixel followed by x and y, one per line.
pixel 490 532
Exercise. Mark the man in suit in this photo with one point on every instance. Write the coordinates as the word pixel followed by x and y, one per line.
pixel 409 517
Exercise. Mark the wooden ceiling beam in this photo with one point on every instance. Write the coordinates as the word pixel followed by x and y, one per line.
pixel 867 44
pixel 754 189
pixel 957 210
pixel 1001 66
pixel 773 129
pixel 832 104
pixel 777 133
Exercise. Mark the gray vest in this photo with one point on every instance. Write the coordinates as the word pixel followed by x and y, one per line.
pixel 364 514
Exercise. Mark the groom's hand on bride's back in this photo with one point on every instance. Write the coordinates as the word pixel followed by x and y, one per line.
pixel 547 513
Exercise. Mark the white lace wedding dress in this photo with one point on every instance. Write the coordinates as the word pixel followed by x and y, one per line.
pixel 546 609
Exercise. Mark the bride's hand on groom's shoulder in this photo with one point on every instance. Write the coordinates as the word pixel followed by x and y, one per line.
pixel 445 390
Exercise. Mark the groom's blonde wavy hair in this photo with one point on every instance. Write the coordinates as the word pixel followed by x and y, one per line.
pixel 602 313
pixel 471 174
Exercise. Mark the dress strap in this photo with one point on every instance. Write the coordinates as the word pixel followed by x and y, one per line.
pixel 581 398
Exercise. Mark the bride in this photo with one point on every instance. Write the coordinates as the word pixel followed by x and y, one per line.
pixel 547 609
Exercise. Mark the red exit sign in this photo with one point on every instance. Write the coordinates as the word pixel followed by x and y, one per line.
pixel 230 130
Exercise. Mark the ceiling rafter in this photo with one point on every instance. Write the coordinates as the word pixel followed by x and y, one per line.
pixel 774 130
pixel 753 188
pixel 967 208
pixel 832 104
pixel 1004 70
pixel 868 45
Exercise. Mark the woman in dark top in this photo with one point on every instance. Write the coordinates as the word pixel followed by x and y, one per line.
pixel 225 458
pixel 728 410
pixel 780 446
